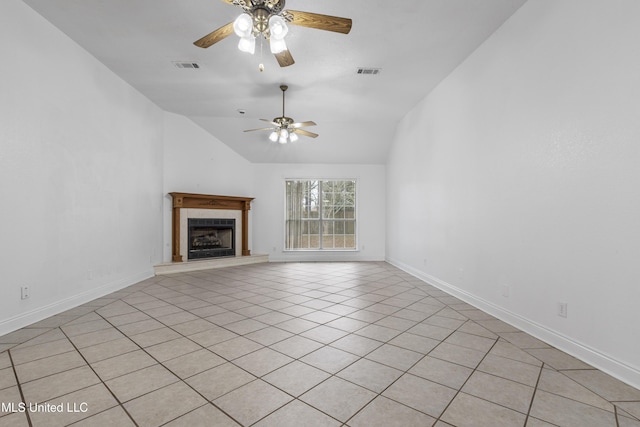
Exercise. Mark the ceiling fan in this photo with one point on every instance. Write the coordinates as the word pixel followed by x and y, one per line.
pixel 284 129
pixel 268 19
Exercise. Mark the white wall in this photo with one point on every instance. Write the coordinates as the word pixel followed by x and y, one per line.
pixel 80 173
pixel 197 162
pixel 522 169
pixel 268 210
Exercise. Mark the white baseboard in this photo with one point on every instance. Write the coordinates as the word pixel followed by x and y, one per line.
pixel 593 357
pixel 40 313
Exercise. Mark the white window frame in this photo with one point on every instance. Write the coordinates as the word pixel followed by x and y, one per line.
pixel 320 219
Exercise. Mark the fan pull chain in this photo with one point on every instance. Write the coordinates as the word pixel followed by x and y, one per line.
pixel 261 65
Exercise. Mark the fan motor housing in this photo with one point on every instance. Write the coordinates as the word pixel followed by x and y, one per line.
pixel 261 20
pixel 274 7
pixel 283 122
pixel 261 11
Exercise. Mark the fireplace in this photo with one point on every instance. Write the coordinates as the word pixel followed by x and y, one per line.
pixel 211 238
pixel 203 206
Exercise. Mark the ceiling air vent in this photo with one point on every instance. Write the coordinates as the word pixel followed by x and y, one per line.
pixel 369 71
pixel 191 65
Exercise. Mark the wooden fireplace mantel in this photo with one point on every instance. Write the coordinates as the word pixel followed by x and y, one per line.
pixel 205 201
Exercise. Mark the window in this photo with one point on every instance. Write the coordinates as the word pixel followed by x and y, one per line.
pixel 320 214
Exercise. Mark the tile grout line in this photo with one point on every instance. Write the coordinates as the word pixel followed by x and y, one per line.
pixel 160 363
pixel 439 418
pixel 331 375
pixel 267 326
pixel 583 386
pixel 378 394
pixel 14 345
pixel 415 363
pixel 15 374
pixel 180 379
pixel 393 382
pixel 292 361
pixel 533 396
pixel 101 382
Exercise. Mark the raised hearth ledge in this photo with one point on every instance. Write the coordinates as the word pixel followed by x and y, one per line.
pixel 207 264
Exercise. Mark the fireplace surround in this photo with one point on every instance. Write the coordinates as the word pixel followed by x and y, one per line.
pixel 185 202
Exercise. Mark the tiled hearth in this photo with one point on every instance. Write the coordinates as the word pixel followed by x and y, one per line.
pixel 297 344
pixel 206 264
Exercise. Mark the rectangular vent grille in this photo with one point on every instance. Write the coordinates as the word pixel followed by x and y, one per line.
pixel 191 65
pixel 369 71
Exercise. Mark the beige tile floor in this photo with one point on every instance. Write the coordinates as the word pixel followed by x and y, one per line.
pixel 296 344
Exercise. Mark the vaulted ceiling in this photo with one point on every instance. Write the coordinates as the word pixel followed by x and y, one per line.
pixel 415 43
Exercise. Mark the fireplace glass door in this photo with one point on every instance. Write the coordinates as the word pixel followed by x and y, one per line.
pixel 211 238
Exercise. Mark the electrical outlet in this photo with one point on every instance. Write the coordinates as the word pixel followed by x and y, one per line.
pixel 24 292
pixel 562 309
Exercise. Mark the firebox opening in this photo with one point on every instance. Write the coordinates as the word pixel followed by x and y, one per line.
pixel 211 238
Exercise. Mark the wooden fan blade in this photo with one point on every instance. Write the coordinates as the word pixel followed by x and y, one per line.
pixel 306 133
pixel 269 121
pixel 215 36
pixel 302 124
pixel 284 58
pixel 321 22
pixel 253 130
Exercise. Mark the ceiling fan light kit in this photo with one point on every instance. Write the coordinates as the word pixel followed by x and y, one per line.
pixel 247 44
pixel 261 23
pixel 243 25
pixel 277 46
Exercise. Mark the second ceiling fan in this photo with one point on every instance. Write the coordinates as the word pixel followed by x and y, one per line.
pixel 268 19
pixel 284 129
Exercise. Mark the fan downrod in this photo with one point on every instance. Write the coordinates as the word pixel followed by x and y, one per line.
pixel 284 88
